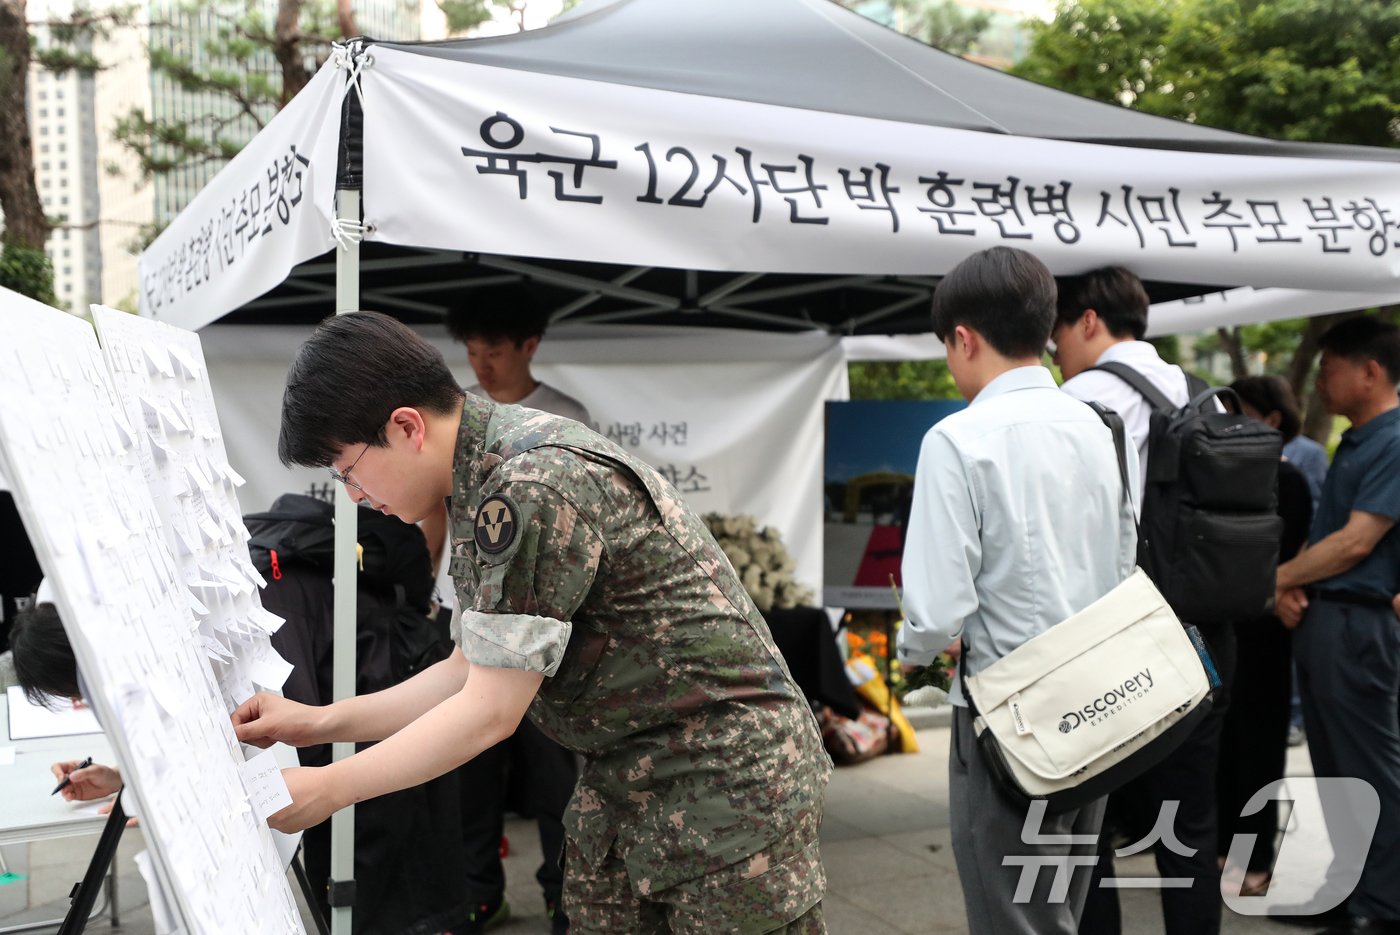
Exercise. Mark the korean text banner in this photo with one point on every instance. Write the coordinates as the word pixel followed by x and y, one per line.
pixel 266 211
pixel 469 157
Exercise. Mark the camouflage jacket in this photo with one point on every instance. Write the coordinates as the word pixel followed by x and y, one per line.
pixel 574 559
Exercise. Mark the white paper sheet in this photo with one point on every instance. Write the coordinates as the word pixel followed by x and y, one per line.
pixel 28 720
pixel 267 790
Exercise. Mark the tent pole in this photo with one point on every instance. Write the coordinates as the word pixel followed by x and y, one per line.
pixel 342 882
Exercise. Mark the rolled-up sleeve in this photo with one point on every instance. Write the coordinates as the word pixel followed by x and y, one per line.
pixel 942 552
pixel 515 641
pixel 520 614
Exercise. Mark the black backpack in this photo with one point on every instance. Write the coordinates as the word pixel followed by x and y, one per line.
pixel 1210 529
pixel 395 571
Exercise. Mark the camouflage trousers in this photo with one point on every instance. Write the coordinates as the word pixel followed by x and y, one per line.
pixel 777 891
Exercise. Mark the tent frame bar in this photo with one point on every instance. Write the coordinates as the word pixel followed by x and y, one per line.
pixel 345 585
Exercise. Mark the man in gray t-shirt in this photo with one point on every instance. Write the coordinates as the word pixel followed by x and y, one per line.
pixel 501 340
pixel 527 772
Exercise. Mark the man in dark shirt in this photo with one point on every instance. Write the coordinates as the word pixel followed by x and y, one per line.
pixel 1347 643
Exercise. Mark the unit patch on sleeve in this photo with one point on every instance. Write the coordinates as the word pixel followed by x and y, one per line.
pixel 497 525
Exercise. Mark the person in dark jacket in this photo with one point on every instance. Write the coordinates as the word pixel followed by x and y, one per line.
pixel 409 857
pixel 1254 736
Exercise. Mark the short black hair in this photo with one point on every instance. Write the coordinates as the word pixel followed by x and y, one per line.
pixel 1364 338
pixel 1115 294
pixel 44 661
pixel 1004 294
pixel 1268 393
pixel 347 378
pixel 512 313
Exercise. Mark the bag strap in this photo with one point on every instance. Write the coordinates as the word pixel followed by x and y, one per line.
pixel 1199 393
pixel 1120 444
pixel 1120 441
pixel 1227 397
pixel 1137 381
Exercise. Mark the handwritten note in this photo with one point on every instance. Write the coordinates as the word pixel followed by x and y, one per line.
pixel 267 790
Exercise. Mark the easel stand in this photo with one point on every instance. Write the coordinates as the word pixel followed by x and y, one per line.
pixel 84 893
pixel 322 928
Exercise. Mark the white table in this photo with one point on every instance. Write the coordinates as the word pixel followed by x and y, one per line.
pixel 28 810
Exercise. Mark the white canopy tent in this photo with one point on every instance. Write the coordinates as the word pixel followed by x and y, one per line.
pixel 785 164
pixel 782 164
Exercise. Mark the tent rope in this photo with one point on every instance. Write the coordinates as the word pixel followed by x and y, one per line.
pixel 353 57
pixel 348 231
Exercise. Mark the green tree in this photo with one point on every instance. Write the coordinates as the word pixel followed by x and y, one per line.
pixel 945 25
pixel 26 227
pixel 248 66
pixel 465 15
pixel 903 379
pixel 1308 70
pixel 1319 70
pixel 1109 50
pixel 942 24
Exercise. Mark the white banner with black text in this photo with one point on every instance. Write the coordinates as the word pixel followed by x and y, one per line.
pixel 469 157
pixel 269 209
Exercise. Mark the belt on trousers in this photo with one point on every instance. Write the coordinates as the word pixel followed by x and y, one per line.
pixel 1354 598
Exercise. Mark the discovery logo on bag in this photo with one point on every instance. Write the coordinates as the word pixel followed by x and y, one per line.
pixel 1110 702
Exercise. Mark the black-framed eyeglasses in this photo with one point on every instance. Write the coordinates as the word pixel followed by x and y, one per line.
pixel 345 477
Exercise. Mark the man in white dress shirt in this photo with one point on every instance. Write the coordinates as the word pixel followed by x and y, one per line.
pixel 1019 521
pixel 1102 318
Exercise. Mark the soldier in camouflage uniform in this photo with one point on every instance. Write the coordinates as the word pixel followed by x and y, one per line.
pixel 582 575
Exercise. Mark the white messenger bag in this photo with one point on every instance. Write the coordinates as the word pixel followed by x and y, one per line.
pixel 1079 710
pixel 1097 699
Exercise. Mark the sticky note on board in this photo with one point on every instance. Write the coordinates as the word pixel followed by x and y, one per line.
pixel 189 545
pixel 158 361
pixel 211 531
pixel 196 604
pixel 185 362
pixel 253 574
pixel 174 420
pixel 160 449
pixel 266 620
pixel 268 668
pixel 128 438
pixel 196 474
pixel 150 413
pixel 216 650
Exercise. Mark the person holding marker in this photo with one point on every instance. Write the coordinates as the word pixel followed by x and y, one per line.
pixel 46 669
pixel 72 784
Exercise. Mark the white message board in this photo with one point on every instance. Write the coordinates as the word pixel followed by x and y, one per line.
pixel 72 459
pixel 162 383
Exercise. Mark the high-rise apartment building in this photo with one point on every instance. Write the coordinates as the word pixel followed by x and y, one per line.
pixel 63 125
